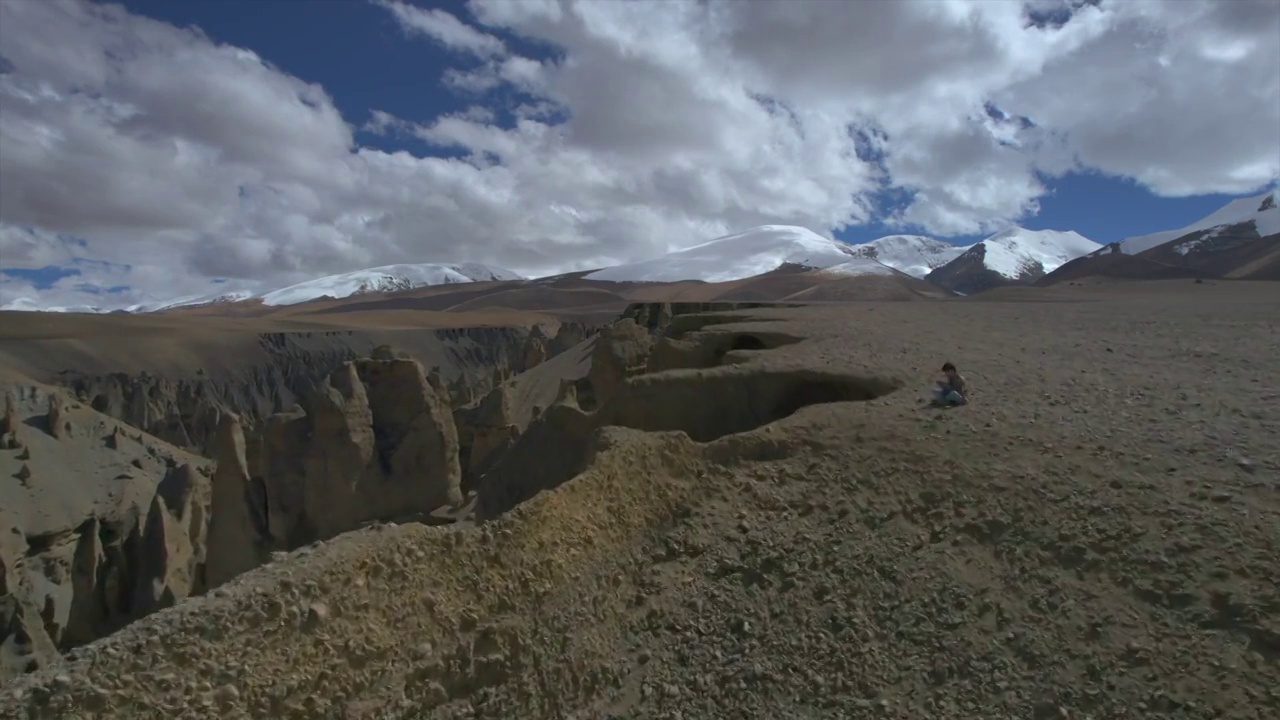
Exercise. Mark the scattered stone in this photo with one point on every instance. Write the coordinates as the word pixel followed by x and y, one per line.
pixel 317 614
pixel 226 696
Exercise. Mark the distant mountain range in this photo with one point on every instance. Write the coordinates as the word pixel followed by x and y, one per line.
pixel 388 278
pixel 1239 241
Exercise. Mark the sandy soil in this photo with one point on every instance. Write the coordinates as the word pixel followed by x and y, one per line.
pixel 1096 535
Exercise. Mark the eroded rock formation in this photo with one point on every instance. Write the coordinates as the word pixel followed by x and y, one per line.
pixel 98 527
pixel 376 441
pixel 280 369
pixel 484 430
pixel 235 545
pixel 621 351
pixel 173 552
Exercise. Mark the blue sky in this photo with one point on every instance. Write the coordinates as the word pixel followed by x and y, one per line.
pixel 366 58
pixel 359 54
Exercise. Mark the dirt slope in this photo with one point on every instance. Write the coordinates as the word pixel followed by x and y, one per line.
pixel 1095 535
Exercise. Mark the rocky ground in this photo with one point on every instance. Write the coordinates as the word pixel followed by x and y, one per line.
pixel 1096 535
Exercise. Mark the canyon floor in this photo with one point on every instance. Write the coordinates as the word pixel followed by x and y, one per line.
pixel 1097 534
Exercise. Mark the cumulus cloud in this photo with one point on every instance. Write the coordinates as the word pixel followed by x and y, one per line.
pixel 644 127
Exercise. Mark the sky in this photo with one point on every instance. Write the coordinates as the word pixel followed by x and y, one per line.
pixel 154 149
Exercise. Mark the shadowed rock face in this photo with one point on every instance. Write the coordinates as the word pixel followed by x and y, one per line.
pixel 485 430
pixel 375 442
pixel 234 543
pixel 656 316
pixel 622 350
pixel 172 557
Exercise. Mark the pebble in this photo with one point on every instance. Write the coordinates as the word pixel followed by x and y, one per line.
pixel 226 695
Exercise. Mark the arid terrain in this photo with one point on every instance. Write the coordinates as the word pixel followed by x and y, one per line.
pixel 696 512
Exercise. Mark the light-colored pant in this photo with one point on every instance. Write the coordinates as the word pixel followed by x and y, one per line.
pixel 947 397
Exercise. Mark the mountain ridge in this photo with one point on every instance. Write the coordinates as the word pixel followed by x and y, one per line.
pixel 1014 255
pixel 1261 209
pixel 1240 240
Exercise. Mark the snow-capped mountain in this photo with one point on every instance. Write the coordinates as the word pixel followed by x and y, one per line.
pixel 388 278
pixel 1017 252
pixel 25 304
pixel 191 301
pixel 734 257
pixel 1241 240
pixel 1015 256
pixel 915 255
pixel 1261 210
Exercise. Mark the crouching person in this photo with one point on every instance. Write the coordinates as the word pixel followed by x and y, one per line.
pixel 951 390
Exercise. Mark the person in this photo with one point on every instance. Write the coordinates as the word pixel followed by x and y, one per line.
pixel 950 391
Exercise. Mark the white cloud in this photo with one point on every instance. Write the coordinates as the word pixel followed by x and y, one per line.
pixel 654 126
pixel 443 27
pixel 31 248
pixel 1184 97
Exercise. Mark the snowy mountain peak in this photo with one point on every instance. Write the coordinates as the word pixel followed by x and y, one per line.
pixel 388 278
pixel 1018 253
pixel 733 257
pixel 915 255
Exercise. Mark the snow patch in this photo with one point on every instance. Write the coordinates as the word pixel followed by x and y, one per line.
pixel 734 257
pixel 861 266
pixel 1186 247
